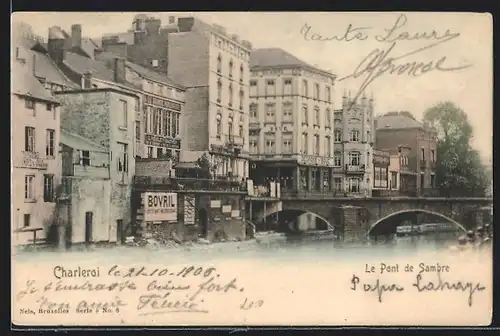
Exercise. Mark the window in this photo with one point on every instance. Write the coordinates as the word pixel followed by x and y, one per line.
pixel 269 147
pixel 241 132
pixel 49 147
pixel 304 88
pixel 304 147
pixel 354 158
pixel 159 121
pixel 337 183
pixel 49 107
pixel 253 88
pixel 230 127
pixel 48 188
pixel 368 137
pixel 218 125
pixel 219 90
pixel 242 71
pixel 316 91
pixel 354 135
pixel 242 101
pixel 287 87
pixel 394 180
pixel 304 115
pixel 287 112
pixel 219 64
pixel 404 160
pixel 433 181
pixel 354 185
pixel 328 118
pixel 337 159
pixel 316 144
pixel 29 103
pixel 150 152
pixel 270 88
pixel 433 155
pixel 270 112
pixel 159 152
pixel 138 130
pixel 253 146
pixel 26 220
pixel 29 192
pixel 422 154
pixel 124 108
pixel 231 69
pixel 328 146
pixel 253 110
pixel 230 94
pixel 176 124
pixel 328 94
pixel 29 139
pixel 287 146
pixel 316 116
pixel 422 180
pixel 85 161
pixel 337 117
pixel 123 158
pixel 337 135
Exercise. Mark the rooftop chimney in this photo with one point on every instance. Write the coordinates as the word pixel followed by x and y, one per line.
pixel 76 36
pixel 119 70
pixel 55 44
pixel 87 80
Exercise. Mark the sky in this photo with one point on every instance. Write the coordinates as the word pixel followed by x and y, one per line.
pixel 470 88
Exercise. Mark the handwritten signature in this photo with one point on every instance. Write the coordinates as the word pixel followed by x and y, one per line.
pixel 380 61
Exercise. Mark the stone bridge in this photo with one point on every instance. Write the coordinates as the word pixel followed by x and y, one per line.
pixel 353 218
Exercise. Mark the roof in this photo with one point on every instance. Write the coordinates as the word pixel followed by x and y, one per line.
pixel 274 57
pixel 153 75
pixel 82 64
pixel 78 142
pixel 397 121
pixel 44 67
pixel 25 84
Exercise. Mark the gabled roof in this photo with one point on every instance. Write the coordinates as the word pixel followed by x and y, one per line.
pixel 276 57
pixel 76 141
pixel 26 85
pixel 153 75
pixel 82 64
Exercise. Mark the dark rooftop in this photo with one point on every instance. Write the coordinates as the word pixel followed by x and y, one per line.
pixel 27 85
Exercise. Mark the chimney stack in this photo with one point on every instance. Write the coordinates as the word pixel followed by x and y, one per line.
pixel 55 44
pixel 76 36
pixel 87 80
pixel 119 70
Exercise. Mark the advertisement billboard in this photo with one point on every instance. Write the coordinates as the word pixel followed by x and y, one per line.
pixel 160 206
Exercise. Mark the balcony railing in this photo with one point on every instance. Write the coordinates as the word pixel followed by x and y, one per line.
pixel 355 169
pixel 188 184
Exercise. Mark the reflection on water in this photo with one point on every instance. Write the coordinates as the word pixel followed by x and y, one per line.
pixel 277 250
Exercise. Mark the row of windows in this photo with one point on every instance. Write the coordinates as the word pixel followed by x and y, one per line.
pixel 230 127
pixel 433 154
pixel 230 95
pixel 30 140
pixel 48 188
pixel 353 183
pixel 30 104
pixel 160 122
pixel 83 158
pixel 287 89
pixel 231 68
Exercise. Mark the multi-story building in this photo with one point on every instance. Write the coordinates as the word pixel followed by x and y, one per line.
pixel 394 129
pixel 291 122
pixel 158 118
pixel 104 117
pixel 353 145
pixel 214 66
pixel 35 155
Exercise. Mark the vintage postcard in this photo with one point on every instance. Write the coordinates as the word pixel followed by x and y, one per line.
pixel 243 169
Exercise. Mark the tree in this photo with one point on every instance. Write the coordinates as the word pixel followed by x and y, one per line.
pixel 207 169
pixel 458 165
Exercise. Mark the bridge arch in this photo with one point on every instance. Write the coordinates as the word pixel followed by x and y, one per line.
pixel 377 225
pixel 296 213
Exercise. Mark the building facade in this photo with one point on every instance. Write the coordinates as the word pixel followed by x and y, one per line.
pixel 214 66
pixel 35 163
pixel 105 117
pixel 395 129
pixel 291 122
pixel 381 171
pixel 353 146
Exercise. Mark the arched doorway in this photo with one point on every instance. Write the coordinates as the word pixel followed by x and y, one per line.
pixel 203 220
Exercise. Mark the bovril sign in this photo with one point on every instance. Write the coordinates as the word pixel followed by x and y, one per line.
pixel 160 206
